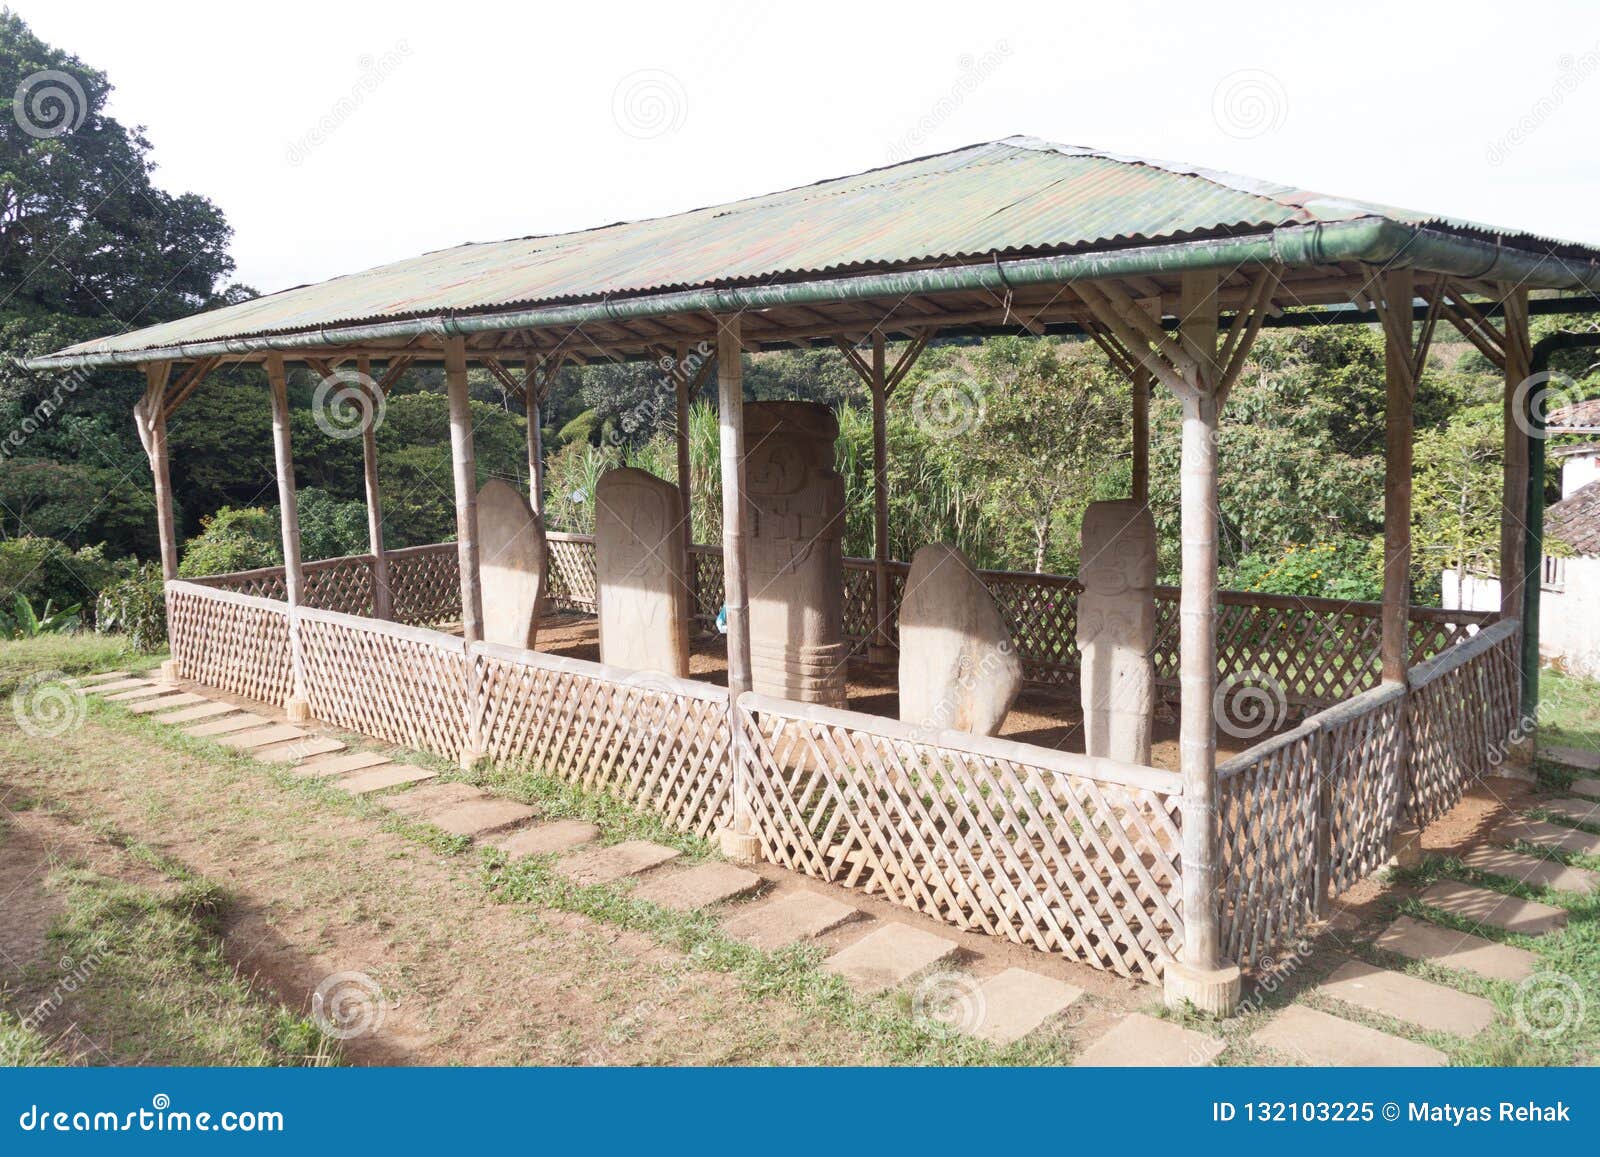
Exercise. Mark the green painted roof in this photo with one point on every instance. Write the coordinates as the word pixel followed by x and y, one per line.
pixel 1009 198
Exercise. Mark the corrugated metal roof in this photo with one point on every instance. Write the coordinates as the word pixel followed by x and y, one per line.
pixel 1010 197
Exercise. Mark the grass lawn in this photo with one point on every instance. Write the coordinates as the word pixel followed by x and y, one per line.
pixel 1569 711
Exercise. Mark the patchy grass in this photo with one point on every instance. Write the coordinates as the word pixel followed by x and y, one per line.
pixel 75 654
pixel 1569 710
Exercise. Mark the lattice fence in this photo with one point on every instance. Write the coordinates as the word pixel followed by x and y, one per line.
pixel 656 742
pixel 233 642
pixel 425 584
pixel 572 571
pixel 1066 854
pixel 407 685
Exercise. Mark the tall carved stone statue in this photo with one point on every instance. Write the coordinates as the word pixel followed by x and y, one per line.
pixel 512 564
pixel 795 524
pixel 1117 628
pixel 958 668
pixel 641 573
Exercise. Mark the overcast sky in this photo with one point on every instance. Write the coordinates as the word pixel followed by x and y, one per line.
pixel 340 136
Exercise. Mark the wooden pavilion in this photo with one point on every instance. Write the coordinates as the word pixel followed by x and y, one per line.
pixel 1172 270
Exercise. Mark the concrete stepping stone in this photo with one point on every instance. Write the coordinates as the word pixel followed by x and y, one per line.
pixel 1588 788
pixel 1541 834
pixel 1495 909
pixel 1408 998
pixel 241 722
pixel 166 703
pixel 1447 948
pixel 1577 811
pixel 1138 1040
pixel 788 919
pixel 889 957
pixel 340 764
pixel 1531 870
pixel 603 865
pixel 1015 1002
pixel 133 695
pixel 432 797
pixel 481 817
pixel 379 778
pixel 261 736
pixel 547 839
pixel 1582 758
pixel 206 710
pixel 300 749
pixel 1316 1038
pixel 116 685
pixel 698 887
pixel 89 681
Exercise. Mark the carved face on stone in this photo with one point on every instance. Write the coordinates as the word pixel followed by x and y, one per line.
pixel 1125 561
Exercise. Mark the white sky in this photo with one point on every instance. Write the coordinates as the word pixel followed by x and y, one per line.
pixel 499 120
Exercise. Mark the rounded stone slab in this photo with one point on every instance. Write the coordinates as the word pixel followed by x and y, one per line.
pixel 241 722
pixel 698 887
pixel 514 558
pixel 300 749
pixel 207 710
pixel 1547 835
pixel 91 681
pixel 134 694
pixel 1309 1037
pixel 641 573
pixel 1447 948
pixel 958 667
pixel 603 865
pixel 433 796
pixel 1584 759
pixel 341 764
pixel 788 919
pixel 1531 870
pixel 380 778
pixel 261 736
pixel 547 839
pixel 166 703
pixel 1495 909
pixel 1588 788
pixel 1576 811
pixel 117 685
pixel 889 956
pixel 1013 1003
pixel 1408 998
pixel 480 817
pixel 1138 1040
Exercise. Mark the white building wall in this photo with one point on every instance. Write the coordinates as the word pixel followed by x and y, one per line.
pixel 1569 617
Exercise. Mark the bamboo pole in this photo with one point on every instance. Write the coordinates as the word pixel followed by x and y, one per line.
pixel 533 395
pixel 464 465
pixel 880 650
pixel 683 383
pixel 738 843
pixel 152 420
pixel 1514 493
pixel 1141 435
pixel 382 602
pixel 1400 393
pixel 298 708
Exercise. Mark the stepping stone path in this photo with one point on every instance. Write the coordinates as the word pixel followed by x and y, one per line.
pixel 1448 948
pixel 546 839
pixel 379 778
pixel 1578 811
pixel 480 817
pixel 166 702
pixel 226 726
pixel 300 749
pixel 341 764
pixel 261 736
pixel 1584 759
pixel 788 919
pixel 603 865
pixel 698 887
pixel 1531 870
pixel 1588 788
pixel 1408 998
pixel 118 685
pixel 889 957
pixel 1495 909
pixel 435 795
pixel 148 691
pixel 1547 835
pixel 1013 1003
pixel 201 711
pixel 90 682
pixel 1316 1038
pixel 1138 1039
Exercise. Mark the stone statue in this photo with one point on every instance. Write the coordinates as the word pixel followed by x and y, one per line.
pixel 795 527
pixel 958 668
pixel 512 561
pixel 1116 629
pixel 641 573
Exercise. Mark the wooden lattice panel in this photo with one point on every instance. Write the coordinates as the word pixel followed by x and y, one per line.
pixel 1462 716
pixel 705 566
pixel 1360 759
pixel 656 742
pixel 403 684
pixel 266 583
pixel 340 584
pixel 425 584
pixel 233 642
pixel 977 832
pixel 572 571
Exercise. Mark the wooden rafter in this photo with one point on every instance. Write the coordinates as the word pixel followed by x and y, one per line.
pixel 896 373
pixel 392 372
pixel 1449 298
pixel 187 384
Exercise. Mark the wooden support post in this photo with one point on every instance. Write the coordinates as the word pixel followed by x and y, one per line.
pixel 534 388
pixel 1400 393
pixel 739 842
pixel 150 419
pixel 1201 977
pixel 382 601
pixel 298 706
pixel 464 464
pixel 683 380
pixel 880 649
pixel 1514 494
pixel 1141 435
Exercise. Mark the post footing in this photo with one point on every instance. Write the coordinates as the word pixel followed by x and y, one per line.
pixel 1211 990
pixel 169 672
pixel 470 758
pixel 1405 848
pixel 298 710
pixel 1518 762
pixel 739 847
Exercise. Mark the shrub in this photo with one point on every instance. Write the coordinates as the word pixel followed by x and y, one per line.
pixel 1344 569
pixel 330 528
pixel 234 539
pixel 43 571
pixel 137 607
